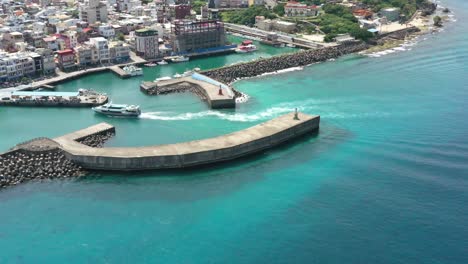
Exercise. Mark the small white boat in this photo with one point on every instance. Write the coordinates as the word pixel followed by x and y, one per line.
pixel 151 64
pixel 163 62
pixel 162 79
pixel 290 45
pixel 133 70
pixel 180 59
pixel 118 110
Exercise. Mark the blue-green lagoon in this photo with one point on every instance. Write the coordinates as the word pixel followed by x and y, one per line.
pixel 384 181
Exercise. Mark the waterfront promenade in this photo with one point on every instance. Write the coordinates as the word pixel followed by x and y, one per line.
pixel 64 76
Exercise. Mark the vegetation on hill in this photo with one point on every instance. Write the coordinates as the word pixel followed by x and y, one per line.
pixel 407 7
pixel 247 15
pixel 339 19
pixel 197 5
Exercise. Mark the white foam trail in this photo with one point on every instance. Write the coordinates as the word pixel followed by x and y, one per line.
pixel 308 106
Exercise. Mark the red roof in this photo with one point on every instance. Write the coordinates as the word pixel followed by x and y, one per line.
pixel 65 52
pixel 86 30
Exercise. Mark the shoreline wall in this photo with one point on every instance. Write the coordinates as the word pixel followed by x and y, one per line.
pixel 229 74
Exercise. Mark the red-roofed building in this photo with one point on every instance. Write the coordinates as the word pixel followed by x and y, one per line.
pixel 367 14
pixel 66 59
pixel 297 9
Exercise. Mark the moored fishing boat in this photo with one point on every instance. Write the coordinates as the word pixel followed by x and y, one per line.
pixel 118 110
pixel 163 62
pixel 151 64
pixel 133 70
pixel 246 46
pixel 180 59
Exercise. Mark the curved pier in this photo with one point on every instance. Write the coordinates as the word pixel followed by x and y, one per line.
pixel 217 95
pixel 187 154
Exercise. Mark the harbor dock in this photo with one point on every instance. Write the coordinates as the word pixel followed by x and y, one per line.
pixel 82 98
pixel 216 94
pixel 121 73
pixel 187 154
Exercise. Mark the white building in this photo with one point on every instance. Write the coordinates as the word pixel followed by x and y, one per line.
pixel 16 65
pixel 106 31
pixel 102 46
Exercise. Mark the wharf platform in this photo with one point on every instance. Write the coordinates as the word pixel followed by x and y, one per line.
pixel 121 73
pixel 202 85
pixel 188 154
pixel 65 99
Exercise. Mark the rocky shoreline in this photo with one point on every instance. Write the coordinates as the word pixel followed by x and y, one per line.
pixel 42 159
pixel 235 72
pixel 97 140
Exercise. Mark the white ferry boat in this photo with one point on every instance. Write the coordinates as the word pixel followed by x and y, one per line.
pixel 246 46
pixel 163 62
pixel 180 59
pixel 118 110
pixel 133 70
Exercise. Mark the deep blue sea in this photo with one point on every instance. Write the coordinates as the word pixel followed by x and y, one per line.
pixel 384 181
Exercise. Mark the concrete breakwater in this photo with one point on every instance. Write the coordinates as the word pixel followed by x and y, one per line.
pixel 235 72
pixel 187 154
pixel 74 154
pixel 217 95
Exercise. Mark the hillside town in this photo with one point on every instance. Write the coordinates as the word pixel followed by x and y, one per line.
pixel 43 38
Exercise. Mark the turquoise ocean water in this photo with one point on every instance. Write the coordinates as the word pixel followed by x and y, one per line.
pixel 384 181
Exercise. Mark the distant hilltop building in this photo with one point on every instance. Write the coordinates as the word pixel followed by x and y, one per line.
pixel 93 11
pixel 297 9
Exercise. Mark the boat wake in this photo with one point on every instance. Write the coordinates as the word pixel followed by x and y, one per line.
pixel 307 106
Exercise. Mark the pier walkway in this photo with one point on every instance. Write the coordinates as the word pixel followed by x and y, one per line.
pixel 207 87
pixel 187 154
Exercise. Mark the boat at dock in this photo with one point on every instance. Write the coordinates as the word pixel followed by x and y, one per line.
pixel 246 46
pixel 111 109
pixel 151 64
pixel 132 70
pixel 163 62
pixel 162 79
pixel 180 59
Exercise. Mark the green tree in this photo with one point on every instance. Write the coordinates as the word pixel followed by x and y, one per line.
pixel 437 21
pixel 121 36
pixel 197 5
pixel 279 9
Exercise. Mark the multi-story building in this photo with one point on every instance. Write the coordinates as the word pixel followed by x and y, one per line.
pixel 119 51
pixel 106 31
pixel 93 11
pixel 84 55
pixel 146 43
pixel 66 59
pixel 50 43
pixel 297 9
pixel 190 36
pixel 16 65
pixel 102 46
pixel 127 5
pixel 47 60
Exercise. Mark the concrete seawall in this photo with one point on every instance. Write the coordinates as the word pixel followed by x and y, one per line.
pixel 208 91
pixel 188 154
